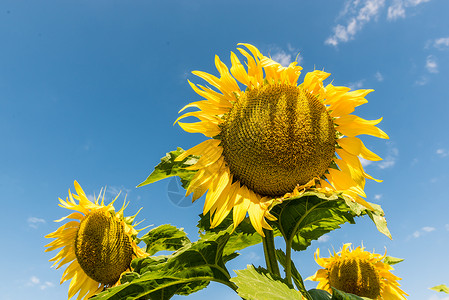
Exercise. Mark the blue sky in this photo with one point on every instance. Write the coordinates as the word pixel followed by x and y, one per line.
pixel 89 91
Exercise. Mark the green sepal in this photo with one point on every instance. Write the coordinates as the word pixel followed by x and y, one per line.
pixel 259 284
pixel 169 167
pixel 389 260
pixel 441 288
pixel 186 271
pixel 164 237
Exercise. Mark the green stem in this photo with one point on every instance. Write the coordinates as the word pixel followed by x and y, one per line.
pixel 288 261
pixel 270 252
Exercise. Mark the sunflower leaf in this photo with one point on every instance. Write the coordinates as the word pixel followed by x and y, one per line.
pixel 169 167
pixel 310 216
pixel 258 284
pixel 164 237
pixel 340 295
pixel 441 288
pixel 242 237
pixel 186 271
pixel 317 294
pixel 392 260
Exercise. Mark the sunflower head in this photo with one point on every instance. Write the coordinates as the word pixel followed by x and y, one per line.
pixel 358 272
pixel 98 243
pixel 274 137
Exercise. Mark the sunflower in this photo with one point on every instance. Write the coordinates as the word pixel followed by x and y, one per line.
pixel 99 244
pixel 358 272
pixel 274 138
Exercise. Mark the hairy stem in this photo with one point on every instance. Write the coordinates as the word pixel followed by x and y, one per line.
pixel 288 261
pixel 270 252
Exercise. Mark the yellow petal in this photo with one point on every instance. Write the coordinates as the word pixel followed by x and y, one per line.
pixel 356 147
pixel 199 149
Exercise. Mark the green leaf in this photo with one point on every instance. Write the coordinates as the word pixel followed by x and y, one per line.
pixel 305 218
pixel 242 237
pixel 392 260
pixel 186 271
pixel 280 256
pixel 317 294
pixel 165 237
pixel 308 217
pixel 441 288
pixel 259 285
pixel 340 295
pixel 169 167
pixel 378 217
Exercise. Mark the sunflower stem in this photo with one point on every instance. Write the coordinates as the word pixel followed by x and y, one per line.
pixel 270 252
pixel 288 261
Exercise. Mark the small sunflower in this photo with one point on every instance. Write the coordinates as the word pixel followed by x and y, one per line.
pixel 358 272
pixel 99 244
pixel 274 138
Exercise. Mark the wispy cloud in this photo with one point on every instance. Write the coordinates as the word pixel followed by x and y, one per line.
pixel 442 152
pixel 398 8
pixel 379 77
pixel 424 230
pixel 356 85
pixel 323 238
pixel 377 197
pixel 34 222
pixel 431 64
pixel 423 80
pixel 390 160
pixel 438 297
pixel 285 56
pixel 441 43
pixel 35 281
pixel 365 163
pixel 357 14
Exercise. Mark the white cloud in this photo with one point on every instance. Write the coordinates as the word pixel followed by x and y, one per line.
pixel 438 297
pixel 441 43
pixel 422 81
pixel 356 85
pixel 323 238
pixel 431 64
pixel 428 229
pixel 34 222
pixel 390 160
pixel 285 57
pixel 442 152
pixel 424 230
pixel 379 76
pixel 365 162
pixel 377 196
pixel 416 234
pixel 46 284
pixel 397 9
pixel 34 280
pixel 356 17
pixel 253 256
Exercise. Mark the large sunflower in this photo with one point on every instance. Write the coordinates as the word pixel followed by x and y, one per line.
pixel 274 138
pixel 99 244
pixel 358 272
